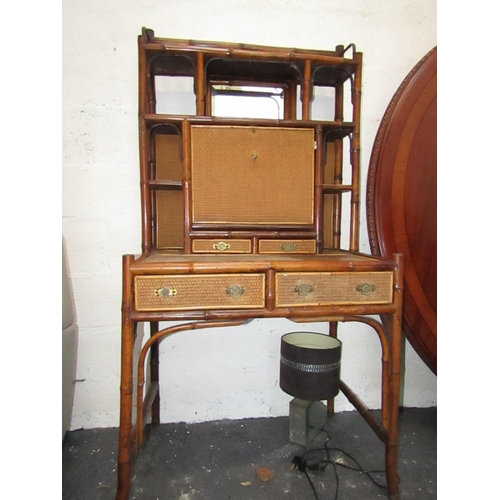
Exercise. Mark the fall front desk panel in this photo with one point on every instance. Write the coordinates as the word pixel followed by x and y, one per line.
pixel 172 286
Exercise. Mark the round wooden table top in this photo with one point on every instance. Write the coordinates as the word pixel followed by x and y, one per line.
pixel 402 199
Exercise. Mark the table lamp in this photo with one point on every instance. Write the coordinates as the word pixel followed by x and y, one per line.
pixel 310 372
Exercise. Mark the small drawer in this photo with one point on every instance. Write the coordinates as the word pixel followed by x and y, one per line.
pixel 198 292
pixel 222 246
pixel 287 246
pixel 311 289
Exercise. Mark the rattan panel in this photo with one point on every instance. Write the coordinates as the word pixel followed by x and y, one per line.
pixel 328 221
pixel 222 246
pixel 287 246
pixel 198 292
pixel 329 168
pixel 169 219
pixel 168 157
pixel 329 199
pixel 332 288
pixel 252 175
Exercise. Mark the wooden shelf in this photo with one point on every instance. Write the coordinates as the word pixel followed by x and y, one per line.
pixel 161 184
pixel 332 130
pixel 336 188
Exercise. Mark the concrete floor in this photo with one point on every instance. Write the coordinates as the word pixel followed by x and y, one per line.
pixel 220 460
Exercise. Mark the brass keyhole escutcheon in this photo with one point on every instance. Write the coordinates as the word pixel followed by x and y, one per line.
pixel 288 247
pixel 165 292
pixel 222 246
pixel 365 289
pixel 235 291
pixel 304 289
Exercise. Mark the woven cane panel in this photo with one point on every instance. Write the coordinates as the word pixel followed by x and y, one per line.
pixel 328 199
pixel 222 246
pixel 332 288
pixel 287 246
pixel 252 175
pixel 168 157
pixel 328 221
pixel 198 292
pixel 328 172
pixel 169 219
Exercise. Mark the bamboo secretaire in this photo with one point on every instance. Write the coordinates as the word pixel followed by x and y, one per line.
pixel 250 172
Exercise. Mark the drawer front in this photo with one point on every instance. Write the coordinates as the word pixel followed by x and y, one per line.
pixel 198 292
pixel 309 289
pixel 287 246
pixel 222 246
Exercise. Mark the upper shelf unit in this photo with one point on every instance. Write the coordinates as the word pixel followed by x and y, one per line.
pixel 205 71
pixel 248 148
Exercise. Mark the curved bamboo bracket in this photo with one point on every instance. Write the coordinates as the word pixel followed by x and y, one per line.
pixel 160 335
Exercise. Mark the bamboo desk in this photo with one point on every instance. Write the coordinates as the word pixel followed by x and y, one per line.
pixel 242 217
pixel 227 290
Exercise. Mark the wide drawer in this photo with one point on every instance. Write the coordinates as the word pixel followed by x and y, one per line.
pixel 323 288
pixel 287 246
pixel 222 246
pixel 197 292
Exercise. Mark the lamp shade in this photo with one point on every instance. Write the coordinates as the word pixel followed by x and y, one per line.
pixel 310 365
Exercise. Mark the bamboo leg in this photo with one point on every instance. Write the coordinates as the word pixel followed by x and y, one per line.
pixel 125 442
pixel 155 374
pixel 386 369
pixel 125 447
pixel 333 333
pixel 392 436
pixel 394 389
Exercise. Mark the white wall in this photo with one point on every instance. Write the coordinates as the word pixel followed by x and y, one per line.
pixel 206 375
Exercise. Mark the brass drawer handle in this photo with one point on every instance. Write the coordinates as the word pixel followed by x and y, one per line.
pixel 288 247
pixel 222 246
pixel 235 291
pixel 165 292
pixel 365 289
pixel 304 289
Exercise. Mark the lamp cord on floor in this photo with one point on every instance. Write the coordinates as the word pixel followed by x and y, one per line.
pixel 304 465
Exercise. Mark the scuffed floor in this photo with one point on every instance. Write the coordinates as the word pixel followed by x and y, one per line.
pixel 252 460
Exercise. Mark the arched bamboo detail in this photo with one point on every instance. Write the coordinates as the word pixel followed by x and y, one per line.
pixel 160 335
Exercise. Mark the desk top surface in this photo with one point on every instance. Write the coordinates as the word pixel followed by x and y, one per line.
pixel 333 261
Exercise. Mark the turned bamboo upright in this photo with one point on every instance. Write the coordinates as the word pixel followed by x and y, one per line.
pixel 242 215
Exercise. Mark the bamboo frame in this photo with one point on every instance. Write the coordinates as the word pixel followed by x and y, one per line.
pixel 131 436
pixel 200 54
pixel 318 197
pixel 256 52
pixel 143 403
pixel 355 159
pixel 337 173
pixel 144 152
pixel 154 263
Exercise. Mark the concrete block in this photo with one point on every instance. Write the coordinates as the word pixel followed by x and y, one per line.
pixel 306 417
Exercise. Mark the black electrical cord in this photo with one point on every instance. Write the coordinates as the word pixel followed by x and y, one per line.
pixel 311 484
pixel 304 465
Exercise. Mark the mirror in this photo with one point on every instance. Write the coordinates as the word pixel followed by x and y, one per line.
pixel 175 95
pixel 246 101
